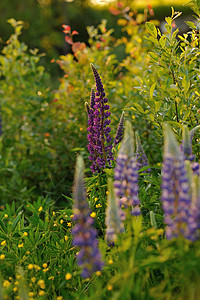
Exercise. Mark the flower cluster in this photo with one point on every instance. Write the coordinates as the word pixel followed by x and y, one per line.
pixel 142 160
pixel 100 146
pixel 180 217
pixel 126 173
pixel 84 234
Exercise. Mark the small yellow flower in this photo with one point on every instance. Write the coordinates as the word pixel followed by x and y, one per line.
pixel 3 243
pixel 59 298
pixel 61 221
pixel 98 273
pixel 2 256
pixel 95 199
pixel 5 216
pixel 107 192
pixel 66 238
pixel 41 293
pixel 110 262
pixel 40 209
pixel 33 279
pixel 54 213
pixel 31 294
pixel 18 276
pixel 71 216
pixel 16 282
pixel 30 266
pixel 69 224
pixel 44 265
pixel 45 270
pixel 98 205
pixel 10 278
pixel 21 245
pixel 15 289
pixel 68 276
pixel 6 283
pixel 28 252
pixel 25 234
pixel 109 287
pixel 51 278
pixel 93 215
pixel 37 267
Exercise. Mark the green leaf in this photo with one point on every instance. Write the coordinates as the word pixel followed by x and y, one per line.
pixel 191 24
pixel 186 82
pixel 152 89
pixel 138 108
pixel 151 28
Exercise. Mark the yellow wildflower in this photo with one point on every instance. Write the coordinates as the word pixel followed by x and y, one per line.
pixel 6 283
pixel 109 287
pixel 98 273
pixel 41 293
pixel 44 265
pixel 40 209
pixel 15 289
pixel 25 234
pixel 21 245
pixel 3 243
pixel 66 237
pixel 110 262
pixel 71 216
pixel 61 221
pixel 5 216
pixel 93 215
pixel 33 279
pixel 59 298
pixel 69 224
pixel 2 256
pixel 51 278
pixel 68 276
pixel 31 294
pixel 30 266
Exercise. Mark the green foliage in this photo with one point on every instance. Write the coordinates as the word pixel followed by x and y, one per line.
pixel 43 130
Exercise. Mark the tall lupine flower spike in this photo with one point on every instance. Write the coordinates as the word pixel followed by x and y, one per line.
pixel 126 173
pixel 186 148
pixel 176 196
pixel 100 146
pixel 84 234
pixel 194 218
pixel 142 160
pixel 114 223
pixel 120 129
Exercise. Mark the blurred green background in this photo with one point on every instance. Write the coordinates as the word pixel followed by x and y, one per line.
pixel 43 21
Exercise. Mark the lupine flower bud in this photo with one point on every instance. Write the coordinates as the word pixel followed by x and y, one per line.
pixel 142 160
pixel 126 173
pixel 176 194
pixel 119 133
pixel 84 234
pixel 113 216
pixel 99 138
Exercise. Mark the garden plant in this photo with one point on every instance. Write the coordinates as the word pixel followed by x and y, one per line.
pixel 100 178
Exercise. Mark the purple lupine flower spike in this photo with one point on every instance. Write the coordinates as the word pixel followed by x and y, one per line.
pixel 100 146
pixel 186 148
pixel 84 234
pixel 114 223
pixel 126 173
pixel 176 195
pixel 119 134
pixel 142 160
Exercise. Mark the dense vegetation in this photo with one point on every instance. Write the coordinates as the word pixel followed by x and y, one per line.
pixel 129 227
